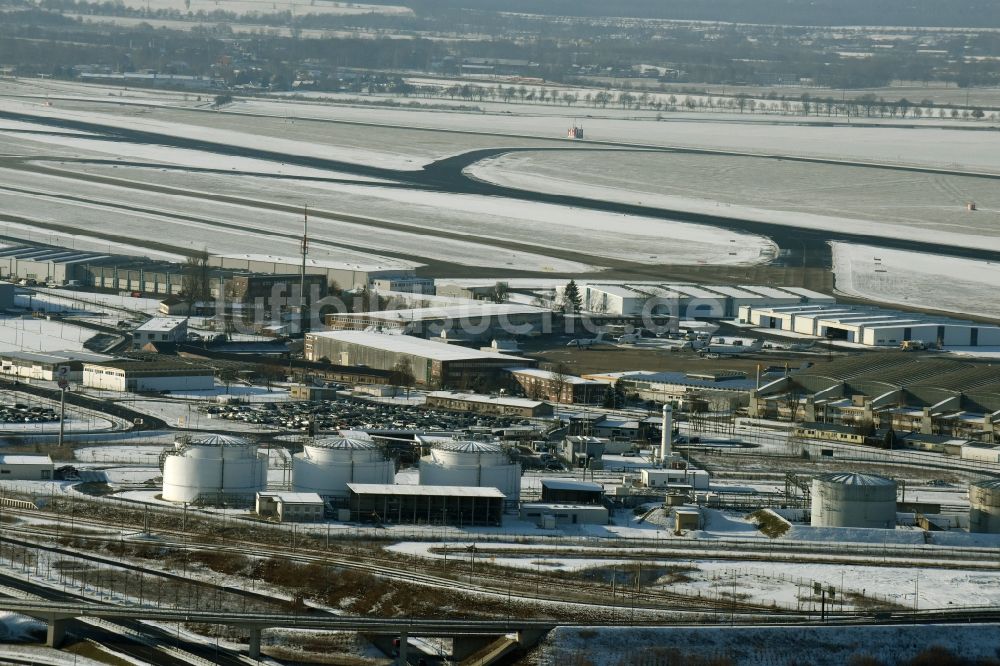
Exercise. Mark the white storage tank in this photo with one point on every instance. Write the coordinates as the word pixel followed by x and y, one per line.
pixel 327 465
pixel 479 464
pixel 844 499
pixel 984 503
pixel 213 468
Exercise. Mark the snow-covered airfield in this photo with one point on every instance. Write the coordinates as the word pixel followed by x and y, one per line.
pixel 87 164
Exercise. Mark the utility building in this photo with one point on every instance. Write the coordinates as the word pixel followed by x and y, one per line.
pixel 427 505
pixel 17 467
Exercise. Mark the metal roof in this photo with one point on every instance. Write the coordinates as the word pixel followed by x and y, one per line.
pixel 342 443
pixel 469 447
pixel 856 479
pixel 424 491
pixel 292 498
pixel 406 344
pixel 568 484
pixel 988 484
pixel 20 459
pixel 213 439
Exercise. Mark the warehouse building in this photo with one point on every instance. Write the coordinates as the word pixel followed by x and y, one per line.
pixel 685 388
pixel 18 467
pixel 556 387
pixel 45 367
pixel 148 377
pixel 425 505
pixel 456 401
pixel 345 275
pixel 432 363
pixel 871 326
pixel 687 301
pixel 476 321
pixel 898 391
pixel 160 329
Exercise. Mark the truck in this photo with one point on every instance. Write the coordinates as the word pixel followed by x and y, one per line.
pixel 913 345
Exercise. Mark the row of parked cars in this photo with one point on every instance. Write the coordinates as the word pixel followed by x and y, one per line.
pixel 347 413
pixel 21 413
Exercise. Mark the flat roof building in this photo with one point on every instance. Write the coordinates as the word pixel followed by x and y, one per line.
pixel 474 321
pixel 148 377
pixel 486 404
pixel 556 387
pixel 432 363
pixel 20 467
pixel 427 505
pixel 288 507
pixel 45 366
pixel 160 329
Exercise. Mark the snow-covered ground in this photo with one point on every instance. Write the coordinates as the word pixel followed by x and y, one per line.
pixel 41 335
pixel 917 279
pixel 296 8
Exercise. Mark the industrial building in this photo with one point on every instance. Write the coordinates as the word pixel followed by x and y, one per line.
pixel 327 465
pixel 266 293
pixel 853 500
pixel 682 388
pixel 984 501
pixel 160 329
pixel 45 366
pixel 672 478
pixel 425 505
pixel 285 507
pixel 891 391
pixel 456 401
pixel 681 301
pixel 345 275
pixel 551 515
pixel 409 284
pixel 148 377
pixel 213 469
pixel 432 363
pixel 21 467
pixel 555 387
pixel 471 464
pixel 569 491
pixel 870 326
pixel 471 321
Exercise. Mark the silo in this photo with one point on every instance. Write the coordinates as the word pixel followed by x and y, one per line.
pixel 844 499
pixel 327 465
pixel 984 503
pixel 471 464
pixel 213 468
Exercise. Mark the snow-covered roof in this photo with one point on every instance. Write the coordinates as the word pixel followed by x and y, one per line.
pixel 292 498
pixel 424 491
pixel 475 397
pixel 18 459
pixel 218 440
pixel 406 344
pixel 161 324
pixel 569 484
pixel 461 311
pixel 988 484
pixel 546 374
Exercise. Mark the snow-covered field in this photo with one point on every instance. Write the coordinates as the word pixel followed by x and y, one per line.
pixel 300 8
pixel 41 335
pixel 917 279
pixel 929 207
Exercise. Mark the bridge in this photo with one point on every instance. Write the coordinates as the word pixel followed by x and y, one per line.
pixel 470 636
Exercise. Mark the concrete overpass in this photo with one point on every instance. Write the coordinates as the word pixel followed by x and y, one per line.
pixel 471 637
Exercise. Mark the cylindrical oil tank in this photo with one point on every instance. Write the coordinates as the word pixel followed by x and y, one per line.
pixel 846 499
pixel 478 464
pixel 327 465
pixel 984 506
pixel 212 468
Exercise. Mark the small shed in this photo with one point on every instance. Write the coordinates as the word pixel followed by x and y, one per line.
pixel 686 519
pixel 286 507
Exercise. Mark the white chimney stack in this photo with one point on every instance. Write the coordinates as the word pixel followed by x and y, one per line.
pixel 667 435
